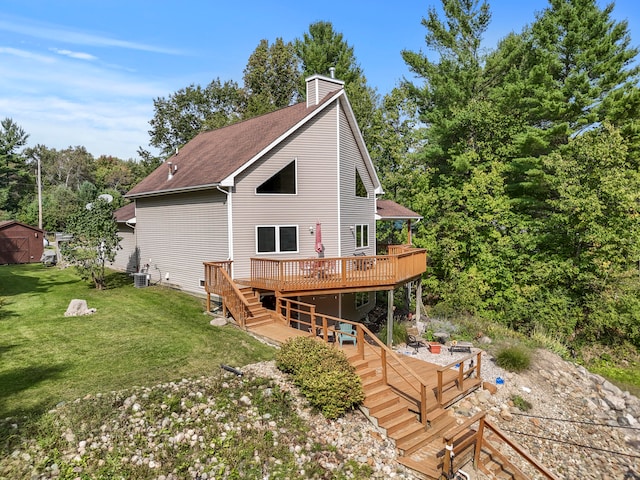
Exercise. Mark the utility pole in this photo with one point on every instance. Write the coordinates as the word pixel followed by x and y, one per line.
pixel 39 196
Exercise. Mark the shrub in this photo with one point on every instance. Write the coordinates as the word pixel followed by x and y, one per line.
pixel 514 359
pixel 399 334
pixel 522 404
pixel 323 374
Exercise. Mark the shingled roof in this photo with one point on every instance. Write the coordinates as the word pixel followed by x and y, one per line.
pixel 390 210
pixel 212 157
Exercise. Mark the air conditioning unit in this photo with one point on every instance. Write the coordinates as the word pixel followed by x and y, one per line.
pixel 141 280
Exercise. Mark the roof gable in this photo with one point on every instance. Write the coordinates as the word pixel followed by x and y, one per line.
pixel 215 157
pixel 9 223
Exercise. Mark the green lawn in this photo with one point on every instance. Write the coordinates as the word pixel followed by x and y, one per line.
pixel 138 336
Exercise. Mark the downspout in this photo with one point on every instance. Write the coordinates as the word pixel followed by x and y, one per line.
pixel 229 223
pixel 339 192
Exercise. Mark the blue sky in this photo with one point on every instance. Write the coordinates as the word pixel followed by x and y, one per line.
pixel 86 72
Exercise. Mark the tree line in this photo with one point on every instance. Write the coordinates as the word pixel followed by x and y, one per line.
pixel 522 159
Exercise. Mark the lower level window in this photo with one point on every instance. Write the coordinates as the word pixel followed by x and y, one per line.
pixel 277 238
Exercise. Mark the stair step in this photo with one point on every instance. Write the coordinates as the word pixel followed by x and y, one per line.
pixel 360 363
pixel 411 442
pixel 367 372
pixel 424 467
pixel 433 415
pixel 400 421
pixel 392 411
pixel 371 383
pixel 381 403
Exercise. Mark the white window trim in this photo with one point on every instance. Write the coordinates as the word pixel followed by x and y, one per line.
pixel 295 167
pixel 359 227
pixel 277 251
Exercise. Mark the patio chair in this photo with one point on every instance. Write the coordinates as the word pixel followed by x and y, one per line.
pixel 346 333
pixel 415 343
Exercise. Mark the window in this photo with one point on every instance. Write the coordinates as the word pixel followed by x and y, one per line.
pixel 277 238
pixel 361 190
pixel 283 182
pixel 362 298
pixel 362 236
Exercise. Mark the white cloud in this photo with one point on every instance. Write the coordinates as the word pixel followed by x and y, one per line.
pixel 62 34
pixel 24 54
pixel 76 55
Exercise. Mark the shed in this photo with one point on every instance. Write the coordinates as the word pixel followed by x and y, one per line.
pixel 20 243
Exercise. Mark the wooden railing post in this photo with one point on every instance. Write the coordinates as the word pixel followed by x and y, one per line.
pixel 478 360
pixel 287 314
pixel 460 375
pixel 448 456
pixel 383 363
pixel 325 329
pixel 479 440
pixel 423 404
pixel 439 392
pixel 312 314
pixel 360 341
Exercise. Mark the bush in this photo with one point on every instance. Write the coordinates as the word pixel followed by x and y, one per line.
pixel 399 334
pixel 323 374
pixel 522 404
pixel 514 359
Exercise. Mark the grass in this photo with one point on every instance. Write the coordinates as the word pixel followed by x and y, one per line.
pixel 138 336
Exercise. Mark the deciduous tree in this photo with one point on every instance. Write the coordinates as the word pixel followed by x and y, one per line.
pixel 95 240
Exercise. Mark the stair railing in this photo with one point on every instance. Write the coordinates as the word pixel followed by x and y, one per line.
pixel 324 327
pixel 452 449
pixel 463 374
pixel 218 280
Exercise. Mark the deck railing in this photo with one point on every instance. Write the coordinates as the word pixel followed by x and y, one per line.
pixel 457 440
pixel 458 380
pixel 219 282
pixel 289 275
pixel 326 327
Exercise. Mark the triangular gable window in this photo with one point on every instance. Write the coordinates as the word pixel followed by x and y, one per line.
pixel 283 182
pixel 361 190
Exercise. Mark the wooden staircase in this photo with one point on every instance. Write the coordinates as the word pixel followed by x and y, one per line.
pixel 258 314
pixel 421 447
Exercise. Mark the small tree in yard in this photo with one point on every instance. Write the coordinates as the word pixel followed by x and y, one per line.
pixel 95 241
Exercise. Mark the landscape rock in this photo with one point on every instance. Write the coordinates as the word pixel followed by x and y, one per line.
pixel 78 307
pixel 218 322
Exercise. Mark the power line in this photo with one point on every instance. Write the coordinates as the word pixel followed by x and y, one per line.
pixel 613 452
pixel 578 421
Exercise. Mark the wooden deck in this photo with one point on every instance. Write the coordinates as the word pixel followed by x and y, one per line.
pixel 290 277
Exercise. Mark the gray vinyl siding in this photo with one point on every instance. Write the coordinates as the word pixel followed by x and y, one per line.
pixel 329 305
pixel 349 310
pixel 319 88
pixel 127 257
pixel 177 233
pixel 315 147
pixel 354 210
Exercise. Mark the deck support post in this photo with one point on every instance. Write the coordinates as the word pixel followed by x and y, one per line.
pixel 418 299
pixel 389 318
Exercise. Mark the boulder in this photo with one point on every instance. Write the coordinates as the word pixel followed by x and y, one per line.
pixel 78 307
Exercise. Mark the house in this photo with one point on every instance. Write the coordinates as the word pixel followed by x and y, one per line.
pixel 288 186
pixel 20 243
pixel 129 259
